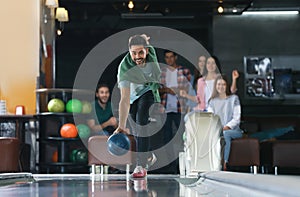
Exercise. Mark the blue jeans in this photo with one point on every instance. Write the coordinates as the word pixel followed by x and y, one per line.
pixel 228 136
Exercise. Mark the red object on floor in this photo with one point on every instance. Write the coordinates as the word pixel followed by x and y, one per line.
pixel 139 172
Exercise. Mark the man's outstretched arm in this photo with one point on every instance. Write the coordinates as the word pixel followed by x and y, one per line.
pixel 124 106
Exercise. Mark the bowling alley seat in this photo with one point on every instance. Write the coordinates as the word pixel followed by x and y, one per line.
pixel 9 153
pixel 99 155
pixel 280 154
pixel 245 152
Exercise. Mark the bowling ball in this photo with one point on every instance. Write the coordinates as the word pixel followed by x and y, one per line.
pixel 83 131
pixel 118 144
pixel 68 130
pixel 73 155
pixel 86 107
pixel 81 156
pixel 56 105
pixel 55 156
pixel 74 106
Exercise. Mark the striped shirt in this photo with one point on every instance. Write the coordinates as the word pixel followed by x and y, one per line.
pixel 183 82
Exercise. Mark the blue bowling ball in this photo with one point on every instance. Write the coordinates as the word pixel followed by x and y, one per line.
pixel 118 144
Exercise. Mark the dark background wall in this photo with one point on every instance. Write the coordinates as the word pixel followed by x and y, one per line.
pixel 228 37
pixel 76 43
pixel 237 36
pixel 275 36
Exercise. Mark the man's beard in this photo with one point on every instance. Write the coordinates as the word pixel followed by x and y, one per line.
pixel 101 101
pixel 141 62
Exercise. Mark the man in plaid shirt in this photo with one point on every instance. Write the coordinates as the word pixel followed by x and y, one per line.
pixel 173 79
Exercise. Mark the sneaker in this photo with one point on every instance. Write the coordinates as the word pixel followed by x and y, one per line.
pixel 139 172
pixel 151 160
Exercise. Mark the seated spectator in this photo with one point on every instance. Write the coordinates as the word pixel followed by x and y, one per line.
pixel 102 121
pixel 227 107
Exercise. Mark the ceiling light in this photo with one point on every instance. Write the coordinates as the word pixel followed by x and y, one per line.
pixel 62 14
pixel 234 10
pixel 270 13
pixel 51 3
pixel 58 32
pixel 130 5
pixel 220 9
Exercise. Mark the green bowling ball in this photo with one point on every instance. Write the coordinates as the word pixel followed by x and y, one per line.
pixel 74 106
pixel 81 156
pixel 86 107
pixel 83 131
pixel 73 155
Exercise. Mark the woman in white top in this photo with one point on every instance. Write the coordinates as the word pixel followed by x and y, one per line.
pixel 227 107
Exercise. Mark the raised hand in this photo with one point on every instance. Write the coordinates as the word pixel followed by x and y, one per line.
pixel 235 74
pixel 147 38
pixel 182 93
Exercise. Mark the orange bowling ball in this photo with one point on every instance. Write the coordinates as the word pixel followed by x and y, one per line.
pixel 68 130
pixel 55 156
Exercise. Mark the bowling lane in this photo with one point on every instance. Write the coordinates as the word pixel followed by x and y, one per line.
pixel 83 185
pixel 209 184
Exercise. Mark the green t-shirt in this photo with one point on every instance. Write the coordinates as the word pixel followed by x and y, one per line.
pixel 102 115
pixel 145 79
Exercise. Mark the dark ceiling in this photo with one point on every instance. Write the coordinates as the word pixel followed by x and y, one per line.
pixel 91 21
pixel 188 14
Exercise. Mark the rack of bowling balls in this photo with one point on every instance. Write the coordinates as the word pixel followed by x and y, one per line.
pixel 59 108
pixel 58 100
pixel 71 131
pixel 77 155
pixel 57 105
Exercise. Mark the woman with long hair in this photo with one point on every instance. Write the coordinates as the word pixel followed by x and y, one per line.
pixel 198 71
pixel 227 106
pixel 206 82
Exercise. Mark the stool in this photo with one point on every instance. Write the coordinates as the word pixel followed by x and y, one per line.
pixel 9 151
